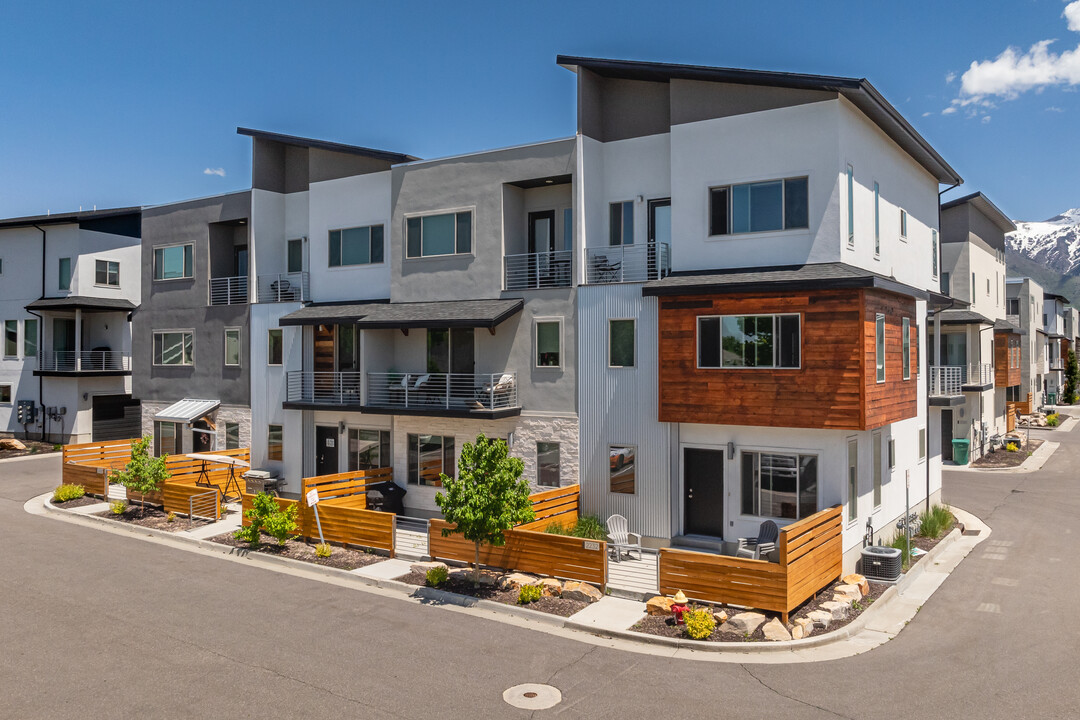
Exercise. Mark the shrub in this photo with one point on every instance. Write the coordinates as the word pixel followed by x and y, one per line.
pixel 700 623
pixel 589 527
pixel 57 447
pixel 322 550
pixel 171 517
pixel 64 493
pixel 529 593
pixel 267 516
pixel 118 507
pixel 1052 420
pixel 281 524
pixel 935 521
pixel 900 543
pixel 143 473
pixel 34 450
pixel 436 576
pixel 1012 447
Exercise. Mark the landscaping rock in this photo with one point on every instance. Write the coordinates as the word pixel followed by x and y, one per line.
pixel 551 587
pixel 659 605
pixel 856 579
pixel 851 592
pixel 820 618
pixel 584 592
pixel 774 630
pixel 838 610
pixel 11 444
pixel 466 575
pixel 423 567
pixel 797 632
pixel 720 617
pixel 514 581
pixel 743 623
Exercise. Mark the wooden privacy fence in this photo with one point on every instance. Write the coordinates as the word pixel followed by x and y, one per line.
pixel 1024 407
pixel 89 464
pixel 349 487
pixel 811 557
pixel 1010 416
pixel 558 506
pixel 527 551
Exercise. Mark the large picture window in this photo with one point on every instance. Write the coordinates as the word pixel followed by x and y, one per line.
pixel 275 443
pixel 779 485
pixel 356 246
pixel 368 449
pixel 434 235
pixel 622 469
pixel 174 262
pixel 174 347
pixel 430 456
pixel 759 207
pixel 749 341
pixel 548 343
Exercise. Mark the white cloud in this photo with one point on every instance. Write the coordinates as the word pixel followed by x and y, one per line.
pixel 1054 108
pixel 986 119
pixel 927 114
pixel 950 77
pixel 1072 16
pixel 220 172
pixel 949 110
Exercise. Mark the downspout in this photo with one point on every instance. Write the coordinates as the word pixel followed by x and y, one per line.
pixel 41 334
pixel 937 343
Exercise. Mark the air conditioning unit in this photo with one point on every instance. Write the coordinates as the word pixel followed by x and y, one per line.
pixel 883 564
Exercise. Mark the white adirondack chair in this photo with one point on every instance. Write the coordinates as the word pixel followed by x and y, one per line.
pixel 618 531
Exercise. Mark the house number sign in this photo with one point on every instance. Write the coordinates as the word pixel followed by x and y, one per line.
pixel 590 545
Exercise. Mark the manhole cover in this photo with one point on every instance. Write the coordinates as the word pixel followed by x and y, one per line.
pixel 533 696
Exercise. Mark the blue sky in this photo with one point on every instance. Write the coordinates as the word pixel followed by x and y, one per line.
pixel 116 104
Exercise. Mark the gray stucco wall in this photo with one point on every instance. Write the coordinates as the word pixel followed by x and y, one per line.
pixel 183 304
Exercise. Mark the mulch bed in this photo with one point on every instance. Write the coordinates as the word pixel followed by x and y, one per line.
pixel 927 544
pixel 77 502
pixel 33 447
pixel 551 605
pixel 152 517
pixel 1002 458
pixel 340 558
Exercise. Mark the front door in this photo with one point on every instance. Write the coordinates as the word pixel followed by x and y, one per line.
pixel 659 234
pixel 542 231
pixel 946 434
pixel 326 450
pixel 703 483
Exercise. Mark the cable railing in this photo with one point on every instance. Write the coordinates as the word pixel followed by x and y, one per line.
pixel 446 391
pixel 980 374
pixel 84 361
pixel 627 263
pixel 229 290
pixel 283 287
pixel 324 387
pixel 536 271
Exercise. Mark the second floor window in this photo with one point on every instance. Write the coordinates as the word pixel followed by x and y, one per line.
pixel 434 235
pixel 107 272
pixel 175 347
pixel 356 246
pixel 65 274
pixel 548 343
pixel 749 341
pixel 11 338
pixel 174 262
pixel 621 223
pixel 759 207
pixel 907 348
pixel 879 346
pixel 232 347
pixel 275 349
pixel 1013 306
pixel 30 338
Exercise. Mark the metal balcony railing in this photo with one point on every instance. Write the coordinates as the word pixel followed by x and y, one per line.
pixel 534 271
pixel 229 291
pixel 324 388
pixel 946 380
pixel 1057 364
pixel 979 374
pixel 84 361
pixel 283 287
pixel 446 391
pixel 627 263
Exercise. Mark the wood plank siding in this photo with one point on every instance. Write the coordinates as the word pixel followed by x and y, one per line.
pixel 835 387
pixel 1006 359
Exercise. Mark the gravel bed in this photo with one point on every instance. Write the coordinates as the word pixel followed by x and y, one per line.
pixel 77 502
pixel 340 557
pixel 551 605
pixel 1002 458
pixel 152 517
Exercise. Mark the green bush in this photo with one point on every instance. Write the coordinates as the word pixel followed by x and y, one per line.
pixel 589 527
pixel 118 507
pixel 1012 447
pixel 323 550
pixel 267 516
pixel 936 521
pixel 171 517
pixel 436 576
pixel 900 543
pixel 64 493
pixel 1052 420
pixel 57 447
pixel 699 623
pixel 529 593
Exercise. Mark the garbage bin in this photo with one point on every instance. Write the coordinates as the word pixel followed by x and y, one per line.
pixel 1051 398
pixel 960 451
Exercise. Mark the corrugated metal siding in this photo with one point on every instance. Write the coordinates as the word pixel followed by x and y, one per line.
pixel 620 406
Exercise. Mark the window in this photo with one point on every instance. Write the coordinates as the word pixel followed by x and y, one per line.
pixel 174 263
pixel 1013 305
pixel 232 435
pixel 933 250
pixel 906 323
pixel 356 246
pixel 232 347
pixel 274 347
pixel 621 230
pixel 65 273
pixel 430 456
pixel 892 453
pixel 1 266
pixel 759 207
pixel 167 438
pixel 274 443
pixel 547 464
pixel 107 272
pixel 877 459
pixel 973 292
pixel 368 449
pixel 621 343
pixel 737 341
pixel 568 229
pixel 853 479
pixel 30 337
pixel 434 235
pixel 988 287
pixel 903 223
pixel 879 338
pixel 622 468
pixel 850 205
pixel 5 394
pixel 295 255
pixel 11 338
pixel 548 343
pixel 877 219
pixel 945 283
pixel 918 350
pixel 174 347
pixel 779 485
pixel 922 443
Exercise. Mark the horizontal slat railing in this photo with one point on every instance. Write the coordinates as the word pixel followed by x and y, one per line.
pixel 84 361
pixel 346 485
pixel 627 263
pixel 324 388
pixel 448 391
pixel 283 287
pixel 536 271
pixel 229 290
pixel 946 380
pixel 556 506
pixel 89 464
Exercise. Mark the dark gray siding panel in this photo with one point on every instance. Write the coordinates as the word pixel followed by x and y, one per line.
pixel 612 109
pixel 327 165
pixel 268 166
pixel 694 100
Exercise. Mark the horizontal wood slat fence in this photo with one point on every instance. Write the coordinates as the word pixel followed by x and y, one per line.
pixel 1010 416
pixel 89 464
pixel 1024 406
pixel 557 506
pixel 811 557
pixel 351 486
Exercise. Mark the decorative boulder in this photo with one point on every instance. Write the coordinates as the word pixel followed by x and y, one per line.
pixel 514 581
pixel 838 610
pixel 423 567
pixel 659 605
pixel 743 623
pixel 551 587
pixel 720 617
pixel 820 618
pixel 774 630
pixel 11 444
pixel 859 580
pixel 849 592
pixel 572 590
pixel 798 633
pixel 465 575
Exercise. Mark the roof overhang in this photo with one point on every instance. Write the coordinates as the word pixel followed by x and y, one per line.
pixel 402 316
pixel 820 276
pixel 963 317
pixel 68 218
pixel 296 141
pixel 187 410
pixel 84 303
pixel 982 203
pixel 1004 326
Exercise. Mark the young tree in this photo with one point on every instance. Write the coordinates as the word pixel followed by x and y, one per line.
pixel 488 496
pixel 1072 377
pixel 144 473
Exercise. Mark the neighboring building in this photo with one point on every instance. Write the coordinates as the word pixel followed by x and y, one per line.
pixel 776 369
pixel 68 285
pixel 1024 309
pixel 1055 310
pixel 967 339
pixel 192 355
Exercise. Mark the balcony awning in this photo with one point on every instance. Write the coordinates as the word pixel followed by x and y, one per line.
pixel 1004 326
pixel 84 303
pixel 383 315
pixel 963 317
pixel 187 410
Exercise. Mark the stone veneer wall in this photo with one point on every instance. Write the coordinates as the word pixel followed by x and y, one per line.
pixel 225 413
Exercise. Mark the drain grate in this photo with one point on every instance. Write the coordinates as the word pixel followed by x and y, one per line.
pixel 972 532
pixel 533 696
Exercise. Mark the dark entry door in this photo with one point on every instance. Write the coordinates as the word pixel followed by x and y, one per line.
pixel 542 231
pixel 946 435
pixel 703 483
pixel 326 450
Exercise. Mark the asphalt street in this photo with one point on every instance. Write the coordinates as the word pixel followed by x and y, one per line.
pixel 98 625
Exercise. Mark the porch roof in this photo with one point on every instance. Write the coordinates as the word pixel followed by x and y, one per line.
pixel 83 302
pixel 1006 327
pixel 387 315
pixel 963 317
pixel 187 410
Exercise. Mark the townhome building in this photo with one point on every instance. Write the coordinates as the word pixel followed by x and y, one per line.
pixel 1055 310
pixel 1072 332
pixel 973 348
pixel 759 249
pixel 1024 308
pixel 68 285
pixel 192 370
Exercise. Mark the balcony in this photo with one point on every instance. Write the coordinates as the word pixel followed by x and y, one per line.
pixel 283 287
pixel 85 362
pixel 456 394
pixel 627 263
pixel 946 381
pixel 324 388
pixel 229 290
pixel 1057 364
pixel 538 271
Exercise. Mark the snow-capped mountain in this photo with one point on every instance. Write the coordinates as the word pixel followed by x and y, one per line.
pixel 1053 244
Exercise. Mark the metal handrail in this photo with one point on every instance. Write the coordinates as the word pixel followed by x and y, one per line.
pixel 283 287
pixel 627 263
pixel 84 360
pixel 448 391
pixel 327 388
pixel 538 270
pixel 229 290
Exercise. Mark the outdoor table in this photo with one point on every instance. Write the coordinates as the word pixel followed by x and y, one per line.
pixel 233 463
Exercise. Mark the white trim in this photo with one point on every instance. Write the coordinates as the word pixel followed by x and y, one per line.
pixel 697 343
pixel 880 318
pixel 536 341
pixel 239 348
pixel 849 209
pixel 622 367
pixel 903 224
pixel 905 342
